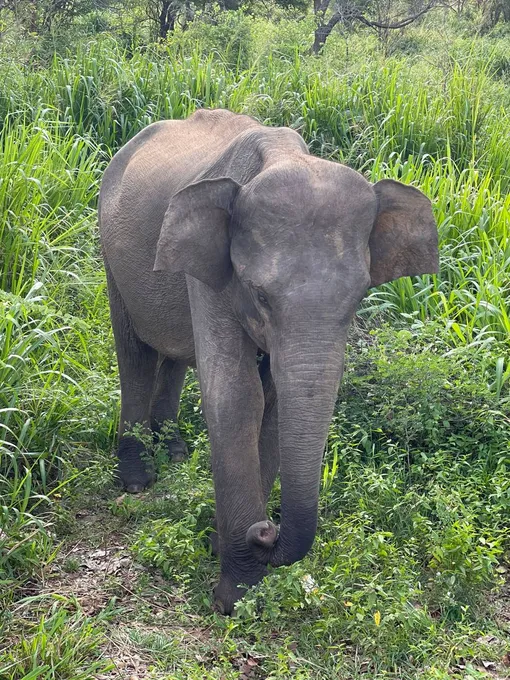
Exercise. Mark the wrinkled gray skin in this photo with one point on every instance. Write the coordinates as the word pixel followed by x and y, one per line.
pixel 223 237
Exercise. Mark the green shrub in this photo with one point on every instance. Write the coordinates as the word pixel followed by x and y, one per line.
pixel 228 34
pixel 176 548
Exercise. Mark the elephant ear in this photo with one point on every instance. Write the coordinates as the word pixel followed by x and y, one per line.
pixel 195 236
pixel 404 239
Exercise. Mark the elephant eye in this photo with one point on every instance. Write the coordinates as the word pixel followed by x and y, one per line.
pixel 262 299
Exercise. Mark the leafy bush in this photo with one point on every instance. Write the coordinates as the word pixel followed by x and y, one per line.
pixel 229 34
pixel 174 547
pixel 423 396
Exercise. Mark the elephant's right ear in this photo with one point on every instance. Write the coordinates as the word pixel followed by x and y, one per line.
pixel 195 237
pixel 404 238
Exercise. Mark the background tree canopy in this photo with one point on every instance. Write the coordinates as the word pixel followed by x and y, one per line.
pixel 159 18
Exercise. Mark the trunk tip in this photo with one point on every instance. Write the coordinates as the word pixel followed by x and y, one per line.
pixel 262 535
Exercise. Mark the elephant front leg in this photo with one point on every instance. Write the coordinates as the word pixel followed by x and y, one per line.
pixel 233 403
pixel 233 409
pixel 269 452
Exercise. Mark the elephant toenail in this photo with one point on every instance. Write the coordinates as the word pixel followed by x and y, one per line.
pixel 135 488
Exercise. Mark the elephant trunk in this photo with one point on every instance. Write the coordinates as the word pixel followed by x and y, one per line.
pixel 307 375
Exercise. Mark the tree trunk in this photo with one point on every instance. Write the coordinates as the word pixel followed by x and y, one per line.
pixel 166 19
pixel 322 33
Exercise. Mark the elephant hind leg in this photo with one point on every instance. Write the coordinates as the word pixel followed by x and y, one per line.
pixel 165 404
pixel 137 370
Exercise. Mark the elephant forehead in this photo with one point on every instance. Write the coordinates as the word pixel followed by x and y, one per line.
pixel 299 204
pixel 261 266
pixel 285 191
pixel 315 234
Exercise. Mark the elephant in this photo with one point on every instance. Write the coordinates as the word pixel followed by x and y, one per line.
pixel 224 240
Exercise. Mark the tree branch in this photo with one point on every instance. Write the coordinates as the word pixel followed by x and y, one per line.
pixel 335 18
pixel 397 24
pixel 321 6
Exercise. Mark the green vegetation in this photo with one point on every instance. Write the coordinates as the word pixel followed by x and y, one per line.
pixel 406 578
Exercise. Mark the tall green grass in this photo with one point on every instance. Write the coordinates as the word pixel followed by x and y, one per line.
pixel 367 111
pixel 49 348
pixel 442 128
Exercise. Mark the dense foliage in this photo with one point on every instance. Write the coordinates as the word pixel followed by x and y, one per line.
pixel 415 501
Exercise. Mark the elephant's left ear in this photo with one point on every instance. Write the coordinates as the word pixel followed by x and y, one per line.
pixel 404 239
pixel 195 236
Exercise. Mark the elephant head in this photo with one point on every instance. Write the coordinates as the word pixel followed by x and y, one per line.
pixel 296 248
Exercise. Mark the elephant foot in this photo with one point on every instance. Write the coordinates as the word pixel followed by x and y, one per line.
pixel 177 450
pixel 135 480
pixel 167 433
pixel 226 594
pixel 237 574
pixel 135 470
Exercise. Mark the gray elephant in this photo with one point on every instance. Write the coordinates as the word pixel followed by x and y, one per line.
pixel 224 239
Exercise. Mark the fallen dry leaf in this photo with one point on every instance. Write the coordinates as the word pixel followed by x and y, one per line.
pixel 489 665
